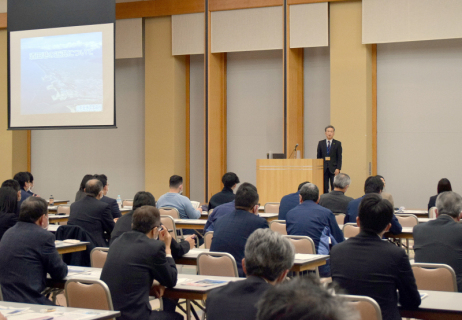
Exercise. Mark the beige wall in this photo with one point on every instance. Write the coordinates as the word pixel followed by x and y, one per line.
pixel 351 92
pixel 165 123
pixel 13 144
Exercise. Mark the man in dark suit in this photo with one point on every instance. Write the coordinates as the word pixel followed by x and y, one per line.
pixel 217 213
pixel 92 215
pixel 368 266
pixel 373 184
pixel 23 180
pixel 331 151
pixel 28 253
pixel 268 258
pixel 115 210
pixel 336 200
pixel 290 201
pixel 230 180
pixel 440 240
pixel 233 230
pixel 134 261
pixel 311 220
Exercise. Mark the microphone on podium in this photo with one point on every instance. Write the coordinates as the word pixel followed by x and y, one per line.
pixel 295 149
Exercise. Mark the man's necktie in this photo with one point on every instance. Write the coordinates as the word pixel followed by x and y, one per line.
pixel 328 147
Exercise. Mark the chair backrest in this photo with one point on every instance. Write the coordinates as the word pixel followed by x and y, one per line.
pixel 434 276
pixel 407 220
pixel 278 226
pixel 88 294
pixel 208 239
pixel 350 230
pixel 340 218
pixel 127 203
pixel 302 244
pixel 272 207
pixel 219 264
pixel 169 211
pixel 169 223
pixel 367 307
pixel 63 209
pixel 98 257
pixel 432 213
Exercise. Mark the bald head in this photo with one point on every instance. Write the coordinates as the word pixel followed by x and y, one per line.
pixel 93 187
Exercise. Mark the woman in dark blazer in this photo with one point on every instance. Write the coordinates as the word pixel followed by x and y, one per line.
pixel 81 194
pixel 443 185
pixel 8 209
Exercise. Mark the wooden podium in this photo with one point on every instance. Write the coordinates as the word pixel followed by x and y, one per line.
pixel 279 177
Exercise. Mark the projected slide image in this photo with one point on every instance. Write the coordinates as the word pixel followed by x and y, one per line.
pixel 62 74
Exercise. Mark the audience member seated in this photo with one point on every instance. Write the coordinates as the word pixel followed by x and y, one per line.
pixel 268 258
pixel 115 210
pixel 15 185
pixel 440 240
pixel 81 193
pixel 336 200
pixel 230 180
pixel 23 180
pixel 304 299
pixel 368 266
pixel 134 261
pixel 290 201
pixel 31 185
pixel 373 184
pixel 92 215
pixel 217 213
pixel 28 254
pixel 312 220
pixel 443 186
pixel 124 224
pixel 233 230
pixel 386 195
pixel 8 208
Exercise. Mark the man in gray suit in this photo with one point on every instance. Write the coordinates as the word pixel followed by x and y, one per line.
pixel 336 200
pixel 440 240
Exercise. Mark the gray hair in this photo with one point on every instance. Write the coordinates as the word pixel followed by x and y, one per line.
pixel 268 254
pixel 342 180
pixel 449 203
pixel 309 191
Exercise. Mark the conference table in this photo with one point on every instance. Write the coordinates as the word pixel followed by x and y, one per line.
pixel 437 305
pixel 199 224
pixel 28 311
pixel 417 212
pixel 55 218
pixel 188 286
pixel 302 262
pixel 65 247
pixel 406 233
pixel 60 202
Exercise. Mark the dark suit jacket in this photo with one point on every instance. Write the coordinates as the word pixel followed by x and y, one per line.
pixel 236 300
pixel 368 266
pixel 134 261
pixel 232 231
pixel 28 253
pixel 335 154
pixel 94 217
pixel 217 213
pixel 335 201
pixel 353 210
pixel 224 196
pixel 7 220
pixel 80 195
pixel 288 202
pixel 440 241
pixel 432 202
pixel 24 196
pixel 115 211
pixel 124 224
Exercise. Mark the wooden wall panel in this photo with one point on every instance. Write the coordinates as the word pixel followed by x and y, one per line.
pixel 187 183
pixel 3 20
pixel 314 1
pixel 220 5
pixel 157 8
pixel 374 109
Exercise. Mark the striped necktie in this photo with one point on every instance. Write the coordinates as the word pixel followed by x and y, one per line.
pixel 328 147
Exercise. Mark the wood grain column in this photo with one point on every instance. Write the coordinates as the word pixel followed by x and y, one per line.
pixel 294 93
pixel 351 92
pixel 215 100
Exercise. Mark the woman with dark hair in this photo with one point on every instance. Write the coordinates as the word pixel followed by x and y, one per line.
pixel 81 193
pixel 8 209
pixel 443 185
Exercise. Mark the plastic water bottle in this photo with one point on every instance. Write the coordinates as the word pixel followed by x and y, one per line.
pixel 119 201
pixel 52 200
